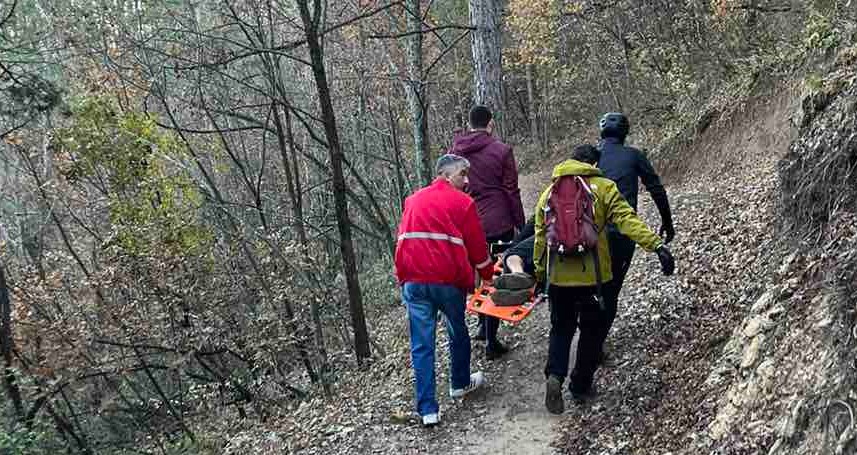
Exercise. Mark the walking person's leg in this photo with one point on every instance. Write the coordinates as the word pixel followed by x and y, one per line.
pixel 621 254
pixel 493 347
pixel 588 345
pixel 422 319
pixel 563 316
pixel 452 304
pixel 480 329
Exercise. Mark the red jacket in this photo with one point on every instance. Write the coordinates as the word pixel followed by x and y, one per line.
pixel 493 181
pixel 440 239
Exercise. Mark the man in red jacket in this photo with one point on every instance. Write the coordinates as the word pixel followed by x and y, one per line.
pixel 494 186
pixel 440 241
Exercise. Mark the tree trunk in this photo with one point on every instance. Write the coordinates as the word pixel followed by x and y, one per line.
pixel 531 102
pixel 290 170
pixel 417 95
pixel 486 46
pixel 397 158
pixel 355 299
pixel 6 347
pixel 545 117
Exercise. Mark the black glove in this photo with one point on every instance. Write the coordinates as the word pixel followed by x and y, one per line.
pixel 667 231
pixel 667 260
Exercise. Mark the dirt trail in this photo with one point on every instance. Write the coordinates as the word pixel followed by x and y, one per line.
pixel 518 422
pixel 521 425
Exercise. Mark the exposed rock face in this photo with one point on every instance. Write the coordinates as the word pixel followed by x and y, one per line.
pixel 792 364
pixel 819 174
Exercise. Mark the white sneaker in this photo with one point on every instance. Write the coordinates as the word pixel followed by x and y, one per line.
pixel 430 420
pixel 476 380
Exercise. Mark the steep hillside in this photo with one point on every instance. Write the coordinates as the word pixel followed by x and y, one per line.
pixel 790 365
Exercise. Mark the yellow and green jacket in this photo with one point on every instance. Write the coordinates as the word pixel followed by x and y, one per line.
pixel 610 207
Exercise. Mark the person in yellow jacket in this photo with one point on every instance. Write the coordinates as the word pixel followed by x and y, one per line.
pixel 572 282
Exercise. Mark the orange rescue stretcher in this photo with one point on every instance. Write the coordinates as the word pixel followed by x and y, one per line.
pixel 480 302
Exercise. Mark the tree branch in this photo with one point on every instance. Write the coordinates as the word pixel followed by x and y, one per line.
pixel 428 30
pixel 444 52
pixel 296 44
pixel 763 8
pixel 10 13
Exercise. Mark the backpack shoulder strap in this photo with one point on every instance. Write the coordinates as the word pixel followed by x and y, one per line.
pixel 550 194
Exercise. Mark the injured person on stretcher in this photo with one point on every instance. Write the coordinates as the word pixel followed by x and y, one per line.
pixel 515 285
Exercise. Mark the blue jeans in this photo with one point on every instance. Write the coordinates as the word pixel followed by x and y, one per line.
pixel 423 302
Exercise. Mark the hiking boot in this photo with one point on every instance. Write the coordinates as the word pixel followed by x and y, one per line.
pixel 553 395
pixel 495 351
pixel 430 420
pixel 476 380
pixel 514 281
pixel 509 297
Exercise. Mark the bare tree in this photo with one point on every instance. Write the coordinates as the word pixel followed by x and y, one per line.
pixel 312 25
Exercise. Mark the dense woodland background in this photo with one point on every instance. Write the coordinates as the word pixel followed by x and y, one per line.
pixel 198 198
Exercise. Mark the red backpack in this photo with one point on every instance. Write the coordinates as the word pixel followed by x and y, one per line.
pixel 570 217
pixel 570 223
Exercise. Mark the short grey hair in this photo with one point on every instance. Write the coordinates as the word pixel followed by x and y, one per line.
pixel 450 164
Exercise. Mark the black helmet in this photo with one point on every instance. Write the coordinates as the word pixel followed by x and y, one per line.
pixel 614 124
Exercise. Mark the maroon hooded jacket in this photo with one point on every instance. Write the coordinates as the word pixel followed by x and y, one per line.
pixel 493 181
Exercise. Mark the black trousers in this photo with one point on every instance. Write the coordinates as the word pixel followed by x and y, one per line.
pixel 488 325
pixel 621 254
pixel 572 308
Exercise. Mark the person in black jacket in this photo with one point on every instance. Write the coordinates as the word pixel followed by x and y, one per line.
pixel 626 166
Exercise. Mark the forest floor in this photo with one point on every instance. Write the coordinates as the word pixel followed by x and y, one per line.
pixel 656 394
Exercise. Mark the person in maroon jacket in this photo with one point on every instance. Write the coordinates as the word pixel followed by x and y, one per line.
pixel 494 187
pixel 440 241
